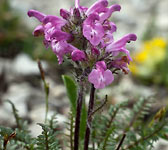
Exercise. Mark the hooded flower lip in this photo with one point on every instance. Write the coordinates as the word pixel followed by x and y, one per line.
pixel 101 76
pixel 97 7
pixel 115 46
pixel 56 21
pixel 109 12
pixel 60 35
pixel 38 15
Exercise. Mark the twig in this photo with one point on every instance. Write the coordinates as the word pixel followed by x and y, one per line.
pixel 46 86
pixel 100 107
pixel 121 142
pixel 7 139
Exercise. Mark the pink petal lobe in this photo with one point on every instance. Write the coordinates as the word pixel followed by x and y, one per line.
pixel 108 77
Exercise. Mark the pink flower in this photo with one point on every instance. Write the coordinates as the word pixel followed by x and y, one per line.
pixel 86 34
pixel 60 48
pixel 93 30
pixel 78 55
pixel 101 76
pixel 121 63
pixel 116 46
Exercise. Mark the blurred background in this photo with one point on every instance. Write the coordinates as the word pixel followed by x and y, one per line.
pixel 20 80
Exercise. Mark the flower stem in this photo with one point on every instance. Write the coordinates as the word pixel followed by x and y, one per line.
pixel 46 100
pixel 89 120
pixel 78 115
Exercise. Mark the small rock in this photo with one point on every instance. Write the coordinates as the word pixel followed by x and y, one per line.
pixel 24 65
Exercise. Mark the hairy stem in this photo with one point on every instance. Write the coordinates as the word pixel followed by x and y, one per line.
pixel 46 100
pixel 89 120
pixel 46 87
pixel 78 116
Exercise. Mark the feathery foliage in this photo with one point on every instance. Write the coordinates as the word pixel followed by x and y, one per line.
pixel 121 127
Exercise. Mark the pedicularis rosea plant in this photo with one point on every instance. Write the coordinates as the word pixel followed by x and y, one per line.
pixel 85 36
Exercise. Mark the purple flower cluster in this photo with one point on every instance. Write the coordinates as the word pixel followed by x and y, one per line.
pixel 85 35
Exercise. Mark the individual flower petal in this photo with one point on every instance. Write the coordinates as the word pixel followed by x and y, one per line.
pixel 94 78
pixel 60 35
pixel 39 30
pixel 97 7
pixel 48 31
pixel 38 15
pixel 56 21
pixel 78 55
pixel 60 49
pixel 115 46
pixel 90 20
pixel 108 77
pixel 101 65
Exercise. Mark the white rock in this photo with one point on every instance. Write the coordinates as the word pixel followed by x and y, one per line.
pixel 24 65
pixel 161 144
pixel 17 93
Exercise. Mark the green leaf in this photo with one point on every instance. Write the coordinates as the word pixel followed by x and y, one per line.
pixel 71 89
